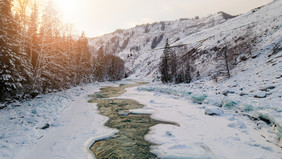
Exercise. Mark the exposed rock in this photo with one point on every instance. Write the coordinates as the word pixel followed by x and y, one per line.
pixel 2 106
pixel 46 126
pixel 226 92
pixel 243 94
pixel 15 104
pixel 34 94
pixel 266 89
pixel 265 119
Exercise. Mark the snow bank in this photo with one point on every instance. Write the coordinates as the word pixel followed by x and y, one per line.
pixel 230 135
pixel 56 125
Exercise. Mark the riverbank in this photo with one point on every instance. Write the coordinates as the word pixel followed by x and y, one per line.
pixel 55 125
pixel 200 135
pixel 65 125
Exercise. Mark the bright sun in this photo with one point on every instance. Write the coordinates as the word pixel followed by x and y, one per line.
pixel 66 7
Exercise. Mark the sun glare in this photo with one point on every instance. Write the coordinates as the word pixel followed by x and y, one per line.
pixel 66 7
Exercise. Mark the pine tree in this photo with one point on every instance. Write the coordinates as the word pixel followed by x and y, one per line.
pixel 173 66
pixel 198 75
pixel 99 72
pixel 33 35
pixel 10 70
pixel 43 59
pixel 226 61
pixel 83 59
pixel 164 67
pixel 49 70
pixel 114 68
pixel 187 75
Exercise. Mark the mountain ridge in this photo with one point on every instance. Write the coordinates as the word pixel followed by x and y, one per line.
pixel 242 34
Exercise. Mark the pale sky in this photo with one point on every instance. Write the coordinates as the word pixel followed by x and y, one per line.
pixel 98 17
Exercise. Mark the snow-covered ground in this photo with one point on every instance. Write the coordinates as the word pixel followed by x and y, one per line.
pixel 72 125
pixel 253 90
pixel 225 135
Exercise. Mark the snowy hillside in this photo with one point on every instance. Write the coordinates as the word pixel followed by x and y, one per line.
pixel 138 46
pixel 245 36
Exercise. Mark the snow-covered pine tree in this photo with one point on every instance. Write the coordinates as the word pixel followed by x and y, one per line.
pixel 114 67
pixel 164 67
pixel 32 49
pixel 83 58
pixel 11 75
pixel 37 60
pixel 99 71
pixel 224 50
pixel 50 71
pixel 187 75
pixel 173 66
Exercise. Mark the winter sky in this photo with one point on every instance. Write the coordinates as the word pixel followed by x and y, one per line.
pixel 98 17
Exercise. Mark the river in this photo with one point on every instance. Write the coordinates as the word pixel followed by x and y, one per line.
pixel 129 142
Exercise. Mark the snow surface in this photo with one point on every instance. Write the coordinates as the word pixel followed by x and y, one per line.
pixel 199 135
pixel 74 124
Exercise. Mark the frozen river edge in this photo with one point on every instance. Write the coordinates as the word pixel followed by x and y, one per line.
pixel 75 124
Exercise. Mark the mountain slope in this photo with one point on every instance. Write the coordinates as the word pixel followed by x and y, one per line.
pixel 245 36
pixel 137 45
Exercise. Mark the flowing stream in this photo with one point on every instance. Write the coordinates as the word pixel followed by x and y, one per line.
pixel 129 142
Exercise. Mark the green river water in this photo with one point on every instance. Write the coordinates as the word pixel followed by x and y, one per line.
pixel 129 142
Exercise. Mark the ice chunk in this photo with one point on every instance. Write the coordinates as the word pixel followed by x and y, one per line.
pixel 213 100
pixel 247 108
pixel 198 98
pixel 213 111
pixel 261 95
pixel 238 124
pixel 228 104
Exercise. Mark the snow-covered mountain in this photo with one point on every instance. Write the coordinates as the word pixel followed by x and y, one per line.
pixel 245 36
pixel 251 41
pixel 137 46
